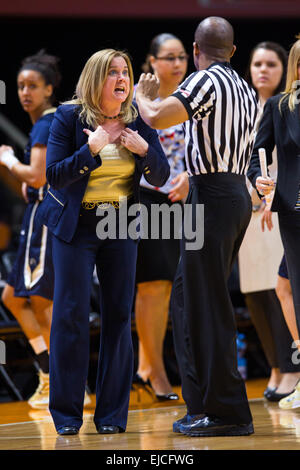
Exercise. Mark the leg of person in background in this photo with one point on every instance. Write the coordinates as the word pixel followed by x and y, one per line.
pixel 34 317
pixel 290 232
pixel 289 381
pixel 35 325
pixel 258 303
pixel 42 309
pixel 151 312
pixel 267 315
pixel 284 293
pixel 290 372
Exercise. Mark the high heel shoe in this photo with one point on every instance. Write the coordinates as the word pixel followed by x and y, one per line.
pixel 269 391
pixel 274 396
pixel 139 382
pixel 167 396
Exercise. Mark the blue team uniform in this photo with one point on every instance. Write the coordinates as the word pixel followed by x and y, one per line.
pixel 32 273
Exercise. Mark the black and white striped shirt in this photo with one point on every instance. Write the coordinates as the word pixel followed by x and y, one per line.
pixel 223 110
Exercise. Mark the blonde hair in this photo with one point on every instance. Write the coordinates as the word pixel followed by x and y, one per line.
pixel 292 75
pixel 90 84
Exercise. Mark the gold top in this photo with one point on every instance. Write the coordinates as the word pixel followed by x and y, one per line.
pixel 114 178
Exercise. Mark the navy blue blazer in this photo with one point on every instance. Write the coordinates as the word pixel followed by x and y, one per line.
pixel 280 128
pixel 69 164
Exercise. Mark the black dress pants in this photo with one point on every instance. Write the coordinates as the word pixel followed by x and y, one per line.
pixel 268 320
pixel 213 386
pixel 189 383
pixel 289 225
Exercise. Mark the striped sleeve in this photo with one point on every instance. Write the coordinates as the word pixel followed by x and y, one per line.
pixel 197 94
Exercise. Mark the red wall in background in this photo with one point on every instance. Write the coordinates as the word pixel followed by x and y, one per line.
pixel 151 8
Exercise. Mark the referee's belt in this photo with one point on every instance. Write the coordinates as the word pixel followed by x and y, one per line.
pixel 101 204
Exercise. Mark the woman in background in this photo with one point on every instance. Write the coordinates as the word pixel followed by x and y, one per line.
pixel 28 293
pixel 279 127
pixel 261 251
pixel 158 259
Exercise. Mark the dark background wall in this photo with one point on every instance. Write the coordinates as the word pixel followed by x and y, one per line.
pixel 74 40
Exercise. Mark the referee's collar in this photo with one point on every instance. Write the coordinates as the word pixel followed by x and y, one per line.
pixel 219 62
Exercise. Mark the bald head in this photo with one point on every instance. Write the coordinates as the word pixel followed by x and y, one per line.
pixel 214 38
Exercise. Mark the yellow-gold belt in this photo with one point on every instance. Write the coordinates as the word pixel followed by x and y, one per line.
pixel 102 204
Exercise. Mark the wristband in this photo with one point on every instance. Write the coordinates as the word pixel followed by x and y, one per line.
pixel 8 159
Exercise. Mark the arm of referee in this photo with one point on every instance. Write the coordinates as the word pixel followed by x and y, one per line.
pixel 158 114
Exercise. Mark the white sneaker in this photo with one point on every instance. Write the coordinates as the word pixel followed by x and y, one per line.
pixel 40 399
pixel 292 401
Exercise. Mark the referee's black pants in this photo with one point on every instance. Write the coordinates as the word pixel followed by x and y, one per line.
pixel 205 335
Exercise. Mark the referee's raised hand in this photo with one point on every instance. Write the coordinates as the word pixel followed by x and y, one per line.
pixel 148 86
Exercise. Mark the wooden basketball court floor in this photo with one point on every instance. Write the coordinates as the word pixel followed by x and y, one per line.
pixel 149 428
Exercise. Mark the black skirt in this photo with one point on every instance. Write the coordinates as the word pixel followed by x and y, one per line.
pixel 157 258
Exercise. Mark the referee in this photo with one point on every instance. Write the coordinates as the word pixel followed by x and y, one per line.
pixel 219 111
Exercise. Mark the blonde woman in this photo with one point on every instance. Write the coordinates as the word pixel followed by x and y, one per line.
pixel 98 150
pixel 280 127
